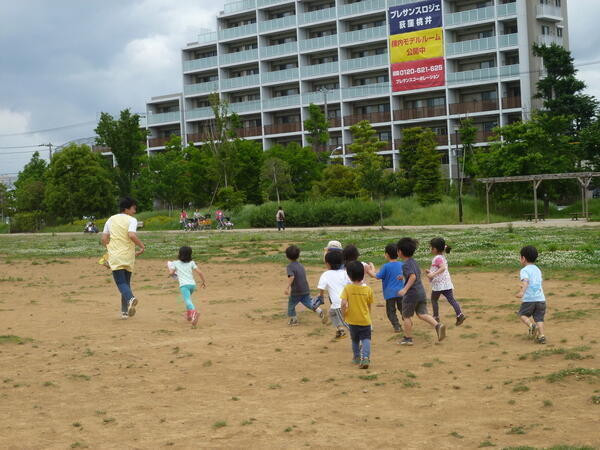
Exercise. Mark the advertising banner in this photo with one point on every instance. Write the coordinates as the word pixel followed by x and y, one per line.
pixel 416 45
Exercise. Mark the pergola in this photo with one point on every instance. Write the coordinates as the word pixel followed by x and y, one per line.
pixel 584 179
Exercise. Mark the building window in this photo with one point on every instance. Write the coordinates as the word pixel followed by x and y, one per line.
pixel 559 32
pixel 545 30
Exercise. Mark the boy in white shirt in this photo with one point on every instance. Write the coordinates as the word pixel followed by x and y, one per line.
pixel 333 281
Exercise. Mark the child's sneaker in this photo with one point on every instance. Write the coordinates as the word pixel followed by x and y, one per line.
pixel 364 363
pixel 340 334
pixel 398 329
pixel 460 319
pixel 532 332
pixel 323 317
pixel 194 317
pixel 131 306
pixel 293 321
pixel 406 341
pixel 124 316
pixel 541 340
pixel 440 330
pixel 356 360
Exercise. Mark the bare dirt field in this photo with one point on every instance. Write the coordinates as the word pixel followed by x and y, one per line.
pixel 72 374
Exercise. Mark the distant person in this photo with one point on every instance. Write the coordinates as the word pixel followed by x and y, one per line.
pixel 120 239
pixel 441 283
pixel 183 218
pixel 413 295
pixel 333 281
pixel 219 216
pixel 532 295
pixel 183 269
pixel 280 218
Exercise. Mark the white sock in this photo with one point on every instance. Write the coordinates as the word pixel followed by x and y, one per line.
pixel 318 310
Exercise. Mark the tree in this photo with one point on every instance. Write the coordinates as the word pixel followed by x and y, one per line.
pixel 317 126
pixel 338 181
pixel 172 175
pixel 78 184
pixel 127 142
pixel 6 202
pixel 248 157
pixel 560 90
pixel 411 137
pixel 230 199
pixel 468 135
pixel 276 179
pixel 590 144
pixel 30 185
pixel 427 170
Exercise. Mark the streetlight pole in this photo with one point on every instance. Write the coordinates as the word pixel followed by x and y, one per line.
pixel 460 179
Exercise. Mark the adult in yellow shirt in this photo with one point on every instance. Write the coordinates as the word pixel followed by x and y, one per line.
pixel 356 307
pixel 120 239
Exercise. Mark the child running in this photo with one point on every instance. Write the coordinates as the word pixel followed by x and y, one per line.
pixel 532 295
pixel 413 293
pixel 392 281
pixel 356 307
pixel 184 269
pixel 441 283
pixel 333 281
pixel 297 288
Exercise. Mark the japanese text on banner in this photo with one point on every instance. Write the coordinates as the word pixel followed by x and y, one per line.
pixel 415 16
pixel 417 45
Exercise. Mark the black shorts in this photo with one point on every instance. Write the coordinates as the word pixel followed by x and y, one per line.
pixel 360 332
pixel 535 309
pixel 410 307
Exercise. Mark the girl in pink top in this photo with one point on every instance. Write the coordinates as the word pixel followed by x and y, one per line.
pixel 441 283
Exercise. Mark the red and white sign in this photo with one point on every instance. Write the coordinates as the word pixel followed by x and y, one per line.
pixel 421 74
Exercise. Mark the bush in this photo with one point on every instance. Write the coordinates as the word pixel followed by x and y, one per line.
pixel 230 199
pixel 318 213
pixel 27 222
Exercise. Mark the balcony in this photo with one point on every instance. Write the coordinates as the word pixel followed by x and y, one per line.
pixel 158 142
pixel 319 69
pixel 287 101
pixel 200 113
pixel 511 102
pixel 374 117
pixel 201 88
pixel 474 106
pixel 203 136
pixel 440 139
pixel 470 76
pixel 197 64
pixel 322 15
pixel 279 128
pixel 240 82
pixel 249 132
pixel 174 116
pixel 361 7
pixel 319 43
pixel 366 62
pixel 237 32
pixel 419 113
pixel 480 136
pixel 549 12
pixel 317 97
pixel 368 34
pixel 472 15
pixel 471 46
pixel 508 40
pixel 238 57
pixel 367 90
pixel 279 50
pixel 546 39
pixel 508 9
pixel 277 24
pixel 263 3
pixel 205 38
pixel 509 71
pixel 244 107
pixel 235 7
pixel 280 75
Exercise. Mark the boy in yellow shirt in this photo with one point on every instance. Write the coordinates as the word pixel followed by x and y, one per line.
pixel 356 308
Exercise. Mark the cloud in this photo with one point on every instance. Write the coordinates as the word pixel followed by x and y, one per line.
pixel 13 121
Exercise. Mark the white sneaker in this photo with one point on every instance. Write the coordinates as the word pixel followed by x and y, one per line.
pixel 131 306
pixel 124 316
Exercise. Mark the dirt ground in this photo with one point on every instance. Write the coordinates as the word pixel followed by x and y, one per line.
pixel 74 375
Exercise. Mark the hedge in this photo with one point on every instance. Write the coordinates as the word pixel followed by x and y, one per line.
pixel 27 222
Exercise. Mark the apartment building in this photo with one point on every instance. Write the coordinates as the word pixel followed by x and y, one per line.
pixel 271 58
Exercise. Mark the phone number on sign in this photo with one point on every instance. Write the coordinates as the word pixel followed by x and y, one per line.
pixel 419 70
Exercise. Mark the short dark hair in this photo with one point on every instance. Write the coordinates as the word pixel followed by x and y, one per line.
pixel 334 259
pixel 392 251
pixel 350 253
pixel 279 207
pixel 292 252
pixel 126 203
pixel 408 246
pixel 185 254
pixel 440 245
pixel 355 271
pixel 530 253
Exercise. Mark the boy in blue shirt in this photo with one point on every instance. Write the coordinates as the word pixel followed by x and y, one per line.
pixel 392 281
pixel 532 295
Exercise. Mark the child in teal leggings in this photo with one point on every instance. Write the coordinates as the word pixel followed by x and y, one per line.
pixel 183 269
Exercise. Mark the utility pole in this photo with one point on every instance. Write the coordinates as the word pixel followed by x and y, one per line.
pixel 49 145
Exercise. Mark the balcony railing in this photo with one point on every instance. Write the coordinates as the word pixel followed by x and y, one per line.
pixel 209 36
pixel 366 34
pixel 507 9
pixel 279 50
pixel 282 102
pixel 236 32
pixel 549 12
pixel 374 117
pixel 202 63
pixel 318 97
pixel 480 136
pixel 244 107
pixel 277 24
pixel 280 75
pixel 249 131
pixel 511 102
pixel 238 57
pixel 239 82
pixel 159 142
pixel 367 90
pixel 200 113
pixel 440 139
pixel 242 5
pixel 361 7
pixel 366 62
pixel 262 3
pixel 202 136
pixel 508 40
pixel 546 39
pixel 283 128
pixel 472 15
pixel 490 73
pixel 419 113
pixel 174 116
pixel 319 69
pixel 317 16
pixel 335 122
pixel 509 71
pixel 471 46
pixel 201 88
pixel 474 106
pixel 318 43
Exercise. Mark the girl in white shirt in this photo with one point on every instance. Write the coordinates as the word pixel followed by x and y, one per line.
pixel 183 269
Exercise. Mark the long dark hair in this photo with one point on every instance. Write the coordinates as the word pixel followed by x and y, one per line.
pixel 185 254
pixel 440 245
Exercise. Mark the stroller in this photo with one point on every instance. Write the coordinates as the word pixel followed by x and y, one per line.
pixel 191 224
pixel 90 226
pixel 225 224
pixel 204 222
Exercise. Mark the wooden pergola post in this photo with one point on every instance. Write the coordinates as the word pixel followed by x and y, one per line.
pixel 585 182
pixel 536 184
pixel 488 188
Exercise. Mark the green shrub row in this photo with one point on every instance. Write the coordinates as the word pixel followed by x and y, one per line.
pixel 28 222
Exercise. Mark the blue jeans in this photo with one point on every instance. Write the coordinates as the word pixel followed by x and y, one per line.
pixel 361 339
pixel 280 225
pixel 293 300
pixel 123 281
